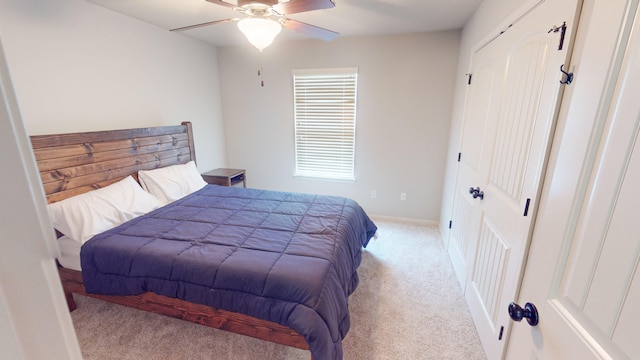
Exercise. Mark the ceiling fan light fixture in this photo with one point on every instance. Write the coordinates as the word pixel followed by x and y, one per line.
pixel 260 31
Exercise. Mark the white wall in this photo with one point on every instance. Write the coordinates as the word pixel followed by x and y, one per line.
pixel 79 67
pixel 405 90
pixel 34 318
pixel 489 17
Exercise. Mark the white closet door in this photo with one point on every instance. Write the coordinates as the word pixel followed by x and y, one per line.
pixel 476 141
pixel 509 118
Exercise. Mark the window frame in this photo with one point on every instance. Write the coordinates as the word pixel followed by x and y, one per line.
pixel 311 95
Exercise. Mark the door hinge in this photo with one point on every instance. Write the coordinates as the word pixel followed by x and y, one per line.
pixel 526 208
pixel 469 76
pixel 450 224
pixel 459 156
pixel 563 30
pixel 501 332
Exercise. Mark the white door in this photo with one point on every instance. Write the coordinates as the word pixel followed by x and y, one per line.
pixel 476 140
pixel 583 272
pixel 34 318
pixel 509 119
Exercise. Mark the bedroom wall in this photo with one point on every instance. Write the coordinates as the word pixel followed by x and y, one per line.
pixel 405 94
pixel 79 67
pixel 486 21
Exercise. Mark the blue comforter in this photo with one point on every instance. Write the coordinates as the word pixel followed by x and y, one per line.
pixel 288 258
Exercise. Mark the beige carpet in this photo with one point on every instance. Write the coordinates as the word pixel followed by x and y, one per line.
pixel 408 306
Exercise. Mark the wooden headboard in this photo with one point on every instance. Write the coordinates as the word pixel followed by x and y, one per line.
pixel 71 164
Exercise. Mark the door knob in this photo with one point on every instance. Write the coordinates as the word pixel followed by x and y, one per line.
pixel 476 193
pixel 479 194
pixel 517 313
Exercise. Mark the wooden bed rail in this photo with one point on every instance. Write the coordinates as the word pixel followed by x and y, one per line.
pixel 196 313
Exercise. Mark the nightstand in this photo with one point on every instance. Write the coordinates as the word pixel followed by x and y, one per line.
pixel 225 177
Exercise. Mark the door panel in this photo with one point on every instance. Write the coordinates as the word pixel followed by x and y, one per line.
pixel 481 93
pixel 522 92
pixel 465 224
pixel 488 278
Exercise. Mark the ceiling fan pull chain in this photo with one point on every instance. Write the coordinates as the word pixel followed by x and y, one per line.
pixel 260 76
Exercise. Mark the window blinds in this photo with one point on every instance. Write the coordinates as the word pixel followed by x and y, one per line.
pixel 325 122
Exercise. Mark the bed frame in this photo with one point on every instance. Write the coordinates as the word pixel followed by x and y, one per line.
pixel 71 164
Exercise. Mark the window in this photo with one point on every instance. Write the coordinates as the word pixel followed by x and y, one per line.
pixel 325 122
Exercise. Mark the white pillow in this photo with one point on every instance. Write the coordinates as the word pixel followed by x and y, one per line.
pixel 171 183
pixel 82 216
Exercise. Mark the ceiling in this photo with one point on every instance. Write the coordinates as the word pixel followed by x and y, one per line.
pixel 348 17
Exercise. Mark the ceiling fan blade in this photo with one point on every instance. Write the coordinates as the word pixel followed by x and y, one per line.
pixel 311 30
pixel 242 3
pixel 223 3
pixel 298 6
pixel 204 24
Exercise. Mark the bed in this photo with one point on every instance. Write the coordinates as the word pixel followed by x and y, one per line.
pixel 272 265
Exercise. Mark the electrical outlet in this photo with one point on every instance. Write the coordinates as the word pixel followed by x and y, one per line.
pixel 403 196
pixel 373 194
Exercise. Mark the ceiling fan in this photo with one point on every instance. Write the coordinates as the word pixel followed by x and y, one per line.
pixel 267 17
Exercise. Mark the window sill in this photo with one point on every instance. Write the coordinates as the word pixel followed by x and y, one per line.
pixel 320 178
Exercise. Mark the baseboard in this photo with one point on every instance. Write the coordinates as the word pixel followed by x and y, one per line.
pixel 405 220
pixel 444 235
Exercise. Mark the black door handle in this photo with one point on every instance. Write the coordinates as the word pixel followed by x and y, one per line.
pixel 517 313
pixel 476 193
